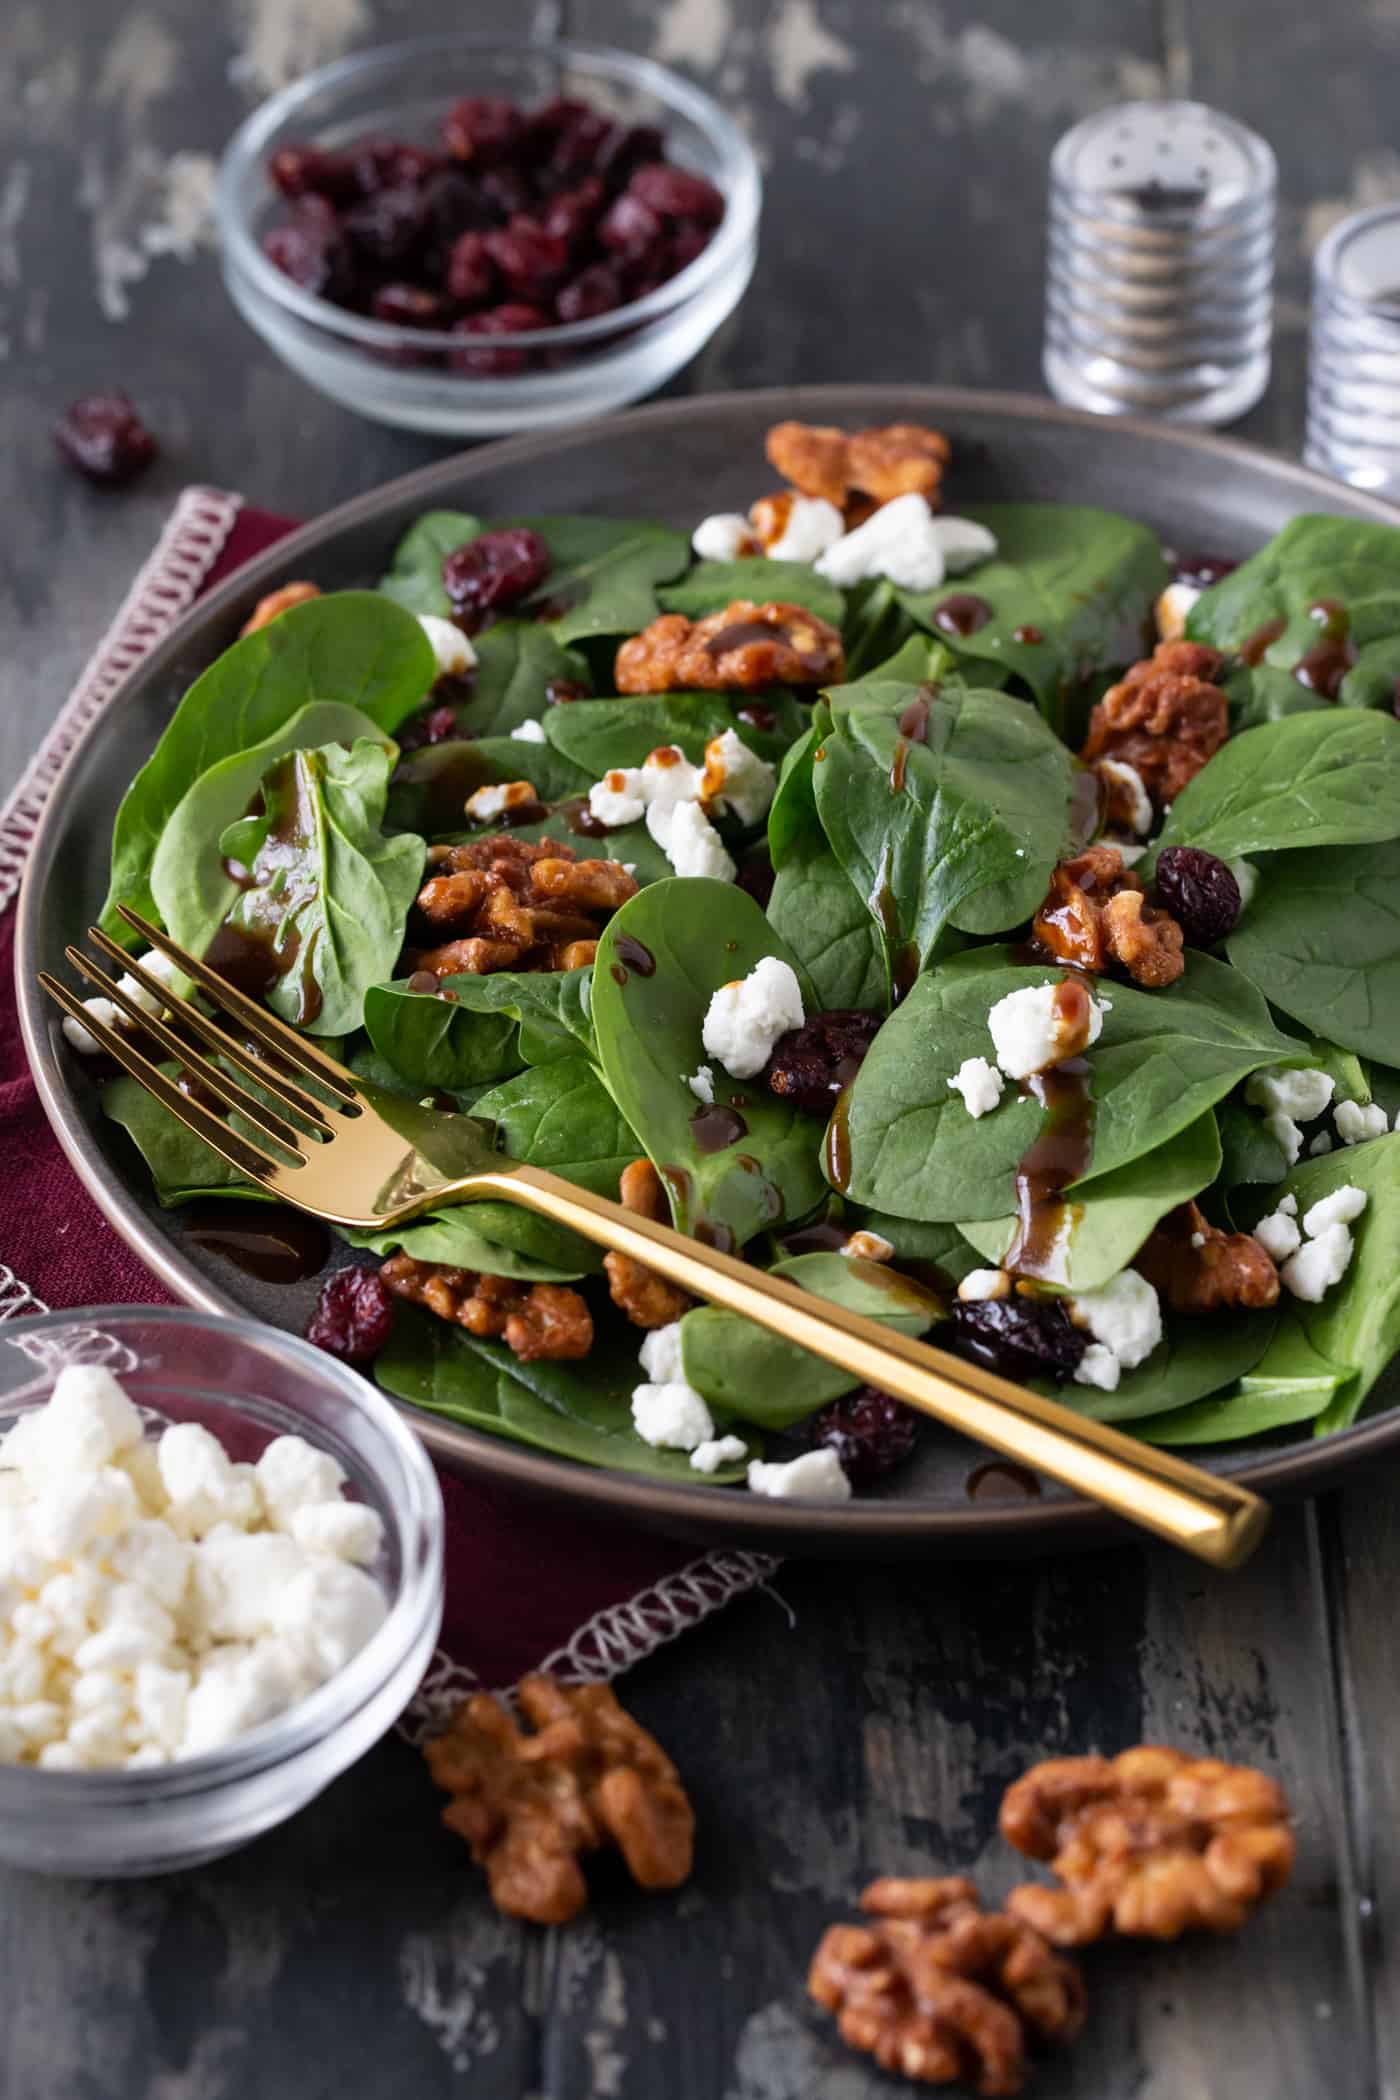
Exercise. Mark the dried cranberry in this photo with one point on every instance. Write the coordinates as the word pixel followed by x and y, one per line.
pixel 497 320
pixel 596 290
pixel 433 725
pixel 578 144
pixel 560 692
pixel 870 1432
pixel 1200 892
pixel 1202 570
pixel 452 202
pixel 354 1316
pixel 483 128
pixel 686 243
pixel 389 164
pixel 627 148
pixel 545 124
pixel 571 214
pixel 757 877
pixel 408 306
pixel 1019 1337
pixel 674 193
pixel 810 1065
pixel 494 571
pixel 104 438
pixel 311 250
pixel 390 228
pixel 505 192
pixel 471 274
pixel 530 260
pixel 630 227
pixel 305 171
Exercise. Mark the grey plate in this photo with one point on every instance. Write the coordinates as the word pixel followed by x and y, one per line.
pixel 675 461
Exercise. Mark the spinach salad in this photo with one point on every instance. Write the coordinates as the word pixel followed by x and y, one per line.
pixel 969 918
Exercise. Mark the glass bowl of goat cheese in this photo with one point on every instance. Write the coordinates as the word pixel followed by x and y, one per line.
pixel 220 1583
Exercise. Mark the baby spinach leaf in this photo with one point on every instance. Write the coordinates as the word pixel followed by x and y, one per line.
pixel 746 1371
pixel 452 1236
pixel 1162 1060
pixel 596 735
pixel 515 661
pixel 1291 1383
pixel 940 1250
pixel 1264 693
pixel 1069 589
pixel 181 1166
pixel 431 1041
pixel 1321 938
pixel 560 1116
pixel 1112 1216
pixel 792 815
pixel 1281 598
pixel 962 824
pixel 1357 1324
pixel 605 573
pixel 350 647
pixel 711 585
pixel 325 890
pixel 1326 779
pixel 1249 1150
pixel 875 627
pixel 1194 1358
pixel 415 580
pixel 815 908
pixel 551 1006
pixel 698 935
pixel 429 790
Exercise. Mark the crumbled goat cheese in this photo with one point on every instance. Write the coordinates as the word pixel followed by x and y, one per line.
pixel 618 798
pixel 689 840
pixel 1172 608
pixel 529 732
pixel 1125 1315
pixel 159 1599
pixel 1286 1134
pixel 1288 1205
pixel 1319 1263
pixel 718 1451
pixel 1356 1121
pixel 1029 1032
pixel 1098 1366
pixel 1343 1207
pixel 980 1284
pixel 737 779
pixel 1320 1144
pixel 904 542
pixel 1140 814
pixel 746 1017
pixel 672 1417
pixel 723 537
pixel 965 543
pixel 660 1354
pixel 1246 879
pixel 702 1084
pixel 1278 1235
pixel 668 777
pixel 868 1246
pixel 455 654
pixel 814 1477
pixel 1301 1095
pixel 83 1041
pixel 812 526
pixel 980 1085
pixel 1129 854
pixel 488 802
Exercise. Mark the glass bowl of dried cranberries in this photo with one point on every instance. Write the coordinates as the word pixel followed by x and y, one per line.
pixel 470 236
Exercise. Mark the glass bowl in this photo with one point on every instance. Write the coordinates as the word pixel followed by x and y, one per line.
pixel 246 1384
pixel 579 368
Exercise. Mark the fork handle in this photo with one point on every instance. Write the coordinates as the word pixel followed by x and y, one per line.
pixel 1210 1517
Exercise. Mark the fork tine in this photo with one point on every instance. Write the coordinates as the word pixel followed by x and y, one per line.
pixel 264 1027
pixel 202 1069
pixel 219 1039
pixel 241 1153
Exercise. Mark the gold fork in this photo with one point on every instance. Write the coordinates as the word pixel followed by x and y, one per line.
pixel 353 1154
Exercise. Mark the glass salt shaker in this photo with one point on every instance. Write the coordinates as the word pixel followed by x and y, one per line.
pixel 1354 353
pixel 1159 292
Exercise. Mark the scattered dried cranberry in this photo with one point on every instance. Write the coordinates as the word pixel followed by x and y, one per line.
pixel 571 214
pixel 354 1316
pixel 1019 1337
pixel 305 171
pixel 434 725
pixel 497 320
pixel 531 261
pixel 494 571
pixel 810 1065
pixel 579 143
pixel 483 128
pixel 757 878
pixel 390 228
pixel 674 193
pixel 596 290
pixel 685 244
pixel 870 1432
pixel 630 227
pixel 389 164
pixel 1202 570
pixel 408 307
pixel 627 148
pixel 471 274
pixel 104 438
pixel 1200 893
pixel 311 250
pixel 506 192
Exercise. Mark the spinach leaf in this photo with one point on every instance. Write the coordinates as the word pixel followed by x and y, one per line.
pixel 1194 1358
pixel 515 661
pixel 1357 1324
pixel 1249 1150
pixel 415 580
pixel 429 790
pixel 181 1166
pixel 698 936
pixel 1325 779
pixel 581 1411
pixel 553 1008
pixel 1263 693
pixel 1112 1216
pixel 744 1370
pixel 816 909
pixel 1163 1059
pixel 325 890
pixel 711 585
pixel 875 627
pixel 1081 581
pixel 351 647
pixel 963 825
pixel 604 574
pixel 431 1041
pixel 453 1237
pixel 792 815
pixel 596 735
pixel 1281 598
pixel 1290 1383
pixel 561 1117
pixel 940 1250
pixel 1321 937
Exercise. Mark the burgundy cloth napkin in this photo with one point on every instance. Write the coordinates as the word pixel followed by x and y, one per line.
pixel 524 1580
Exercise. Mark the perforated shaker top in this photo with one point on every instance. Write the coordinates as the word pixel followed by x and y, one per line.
pixel 1148 157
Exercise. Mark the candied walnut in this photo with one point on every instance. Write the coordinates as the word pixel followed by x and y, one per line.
pixel 1198 1268
pixel 513 904
pixel 1164 718
pixel 647 1299
pixel 534 1320
pixel 942 1991
pixel 530 1805
pixel 741 649
pixel 1095 915
pixel 267 609
pixel 897 460
pixel 1150 1844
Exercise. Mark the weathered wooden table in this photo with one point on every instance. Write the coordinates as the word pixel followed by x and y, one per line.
pixel 868 1719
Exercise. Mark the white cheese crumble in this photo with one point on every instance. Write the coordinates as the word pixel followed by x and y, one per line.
pixel 1301 1095
pixel 689 841
pixel 488 802
pixel 814 1477
pixel 723 537
pixel 904 542
pixel 1140 802
pixel 671 1417
pixel 660 1354
pixel 1278 1234
pixel 1030 1032
pixel 156 965
pixel 1172 608
pixel 718 1451
pixel 746 1017
pixel 1125 1315
pixel 1320 1144
pixel 980 1284
pixel 1357 1121
pixel 1246 879
pixel 1343 1207
pixel 1098 1366
pixel 454 653
pixel 869 1246
pixel 702 1084
pixel 160 1599
pixel 980 1084
pixel 530 731
pixel 618 798
pixel 1319 1263
pixel 1289 1137
pixel 1129 854
pixel 736 778
pixel 812 525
